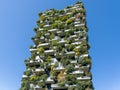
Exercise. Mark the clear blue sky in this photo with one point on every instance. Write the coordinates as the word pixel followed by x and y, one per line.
pixel 18 18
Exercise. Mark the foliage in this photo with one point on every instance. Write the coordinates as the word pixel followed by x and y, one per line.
pixel 70 79
pixel 59 48
pixel 48 59
pixel 41 65
pixel 28 72
pixel 65 62
pixel 41 84
pixel 68 21
pixel 61 84
pixel 54 43
pixel 54 25
pixel 40 13
pixel 35 29
pixel 56 64
pixel 71 88
pixel 40 50
pixel 69 68
pixel 33 78
pixel 43 77
pixel 25 85
pixel 33 54
pixel 38 35
pixel 41 25
pixel 71 47
pixel 42 17
pixel 52 36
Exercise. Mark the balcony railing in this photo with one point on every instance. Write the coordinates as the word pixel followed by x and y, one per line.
pixel 84 55
pixel 76 43
pixel 79 25
pixel 77 72
pixel 55 86
pixel 44 45
pixel 60 33
pixel 49 52
pixel 70 53
pixel 84 78
pixel 47 26
pixel 24 76
pixel 39 70
pixel 33 50
pixel 73 61
pixel 49 80
pixel 53 30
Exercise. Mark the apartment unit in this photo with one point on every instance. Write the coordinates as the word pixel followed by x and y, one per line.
pixel 59 57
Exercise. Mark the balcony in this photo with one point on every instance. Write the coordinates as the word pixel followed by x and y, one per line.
pixel 32 62
pixel 84 55
pixel 76 43
pixel 68 13
pixel 24 76
pixel 40 29
pixel 47 35
pixel 84 78
pixel 77 22
pixel 49 80
pixel 77 32
pixel 79 8
pixel 85 68
pixel 59 68
pixel 73 36
pixel 33 50
pixel 73 61
pixel 53 30
pixel 70 53
pixel 67 9
pixel 79 25
pixel 49 52
pixel 47 26
pixel 77 72
pixel 62 42
pixel 44 45
pixel 39 70
pixel 60 33
pixel 55 38
pixel 77 66
pixel 55 86
pixel 67 30
pixel 53 60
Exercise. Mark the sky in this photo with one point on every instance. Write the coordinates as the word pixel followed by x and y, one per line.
pixel 18 18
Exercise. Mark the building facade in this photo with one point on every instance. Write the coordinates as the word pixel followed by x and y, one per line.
pixel 59 57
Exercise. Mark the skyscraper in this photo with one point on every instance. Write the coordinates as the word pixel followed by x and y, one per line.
pixel 59 59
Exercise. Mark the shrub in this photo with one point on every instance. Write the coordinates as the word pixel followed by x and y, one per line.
pixel 28 72
pixel 38 35
pixel 42 17
pixel 70 79
pixel 41 65
pixel 40 13
pixel 41 25
pixel 33 78
pixel 68 21
pixel 54 43
pixel 69 68
pixel 40 50
pixel 48 59
pixel 61 84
